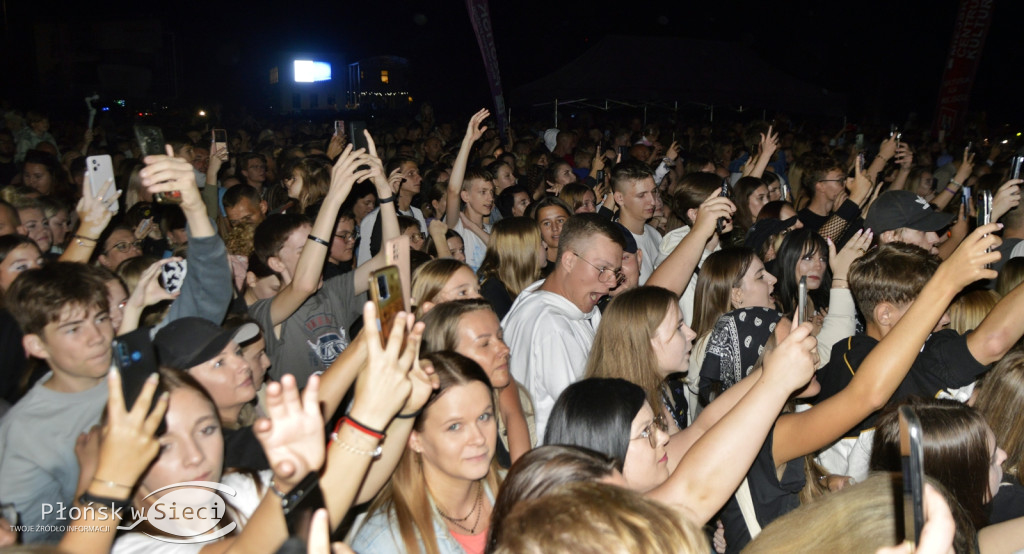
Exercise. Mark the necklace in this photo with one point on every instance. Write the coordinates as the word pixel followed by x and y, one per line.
pixel 476 509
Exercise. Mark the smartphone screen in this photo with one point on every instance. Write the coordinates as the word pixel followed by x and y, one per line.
pixel 912 458
pixel 101 170
pixel 386 292
pixel 339 127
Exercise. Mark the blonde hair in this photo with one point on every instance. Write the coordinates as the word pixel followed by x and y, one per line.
pixel 866 512
pixel 430 278
pixel 405 497
pixel 1011 275
pixel 1001 401
pixel 511 256
pixel 970 309
pixel 622 347
pixel 587 517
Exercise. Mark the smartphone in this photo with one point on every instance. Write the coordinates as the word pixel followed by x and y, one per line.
pixel 785 192
pixel 299 505
pixel 386 292
pixel 339 127
pixel 860 162
pixel 172 276
pixel 599 177
pixel 965 197
pixel 135 358
pixel 859 141
pixel 356 136
pixel 220 140
pixel 912 458
pixel 1015 166
pixel 802 300
pixel 726 192
pixel 151 143
pixel 100 170
pixel 984 208
pixel 622 153
pixel 396 253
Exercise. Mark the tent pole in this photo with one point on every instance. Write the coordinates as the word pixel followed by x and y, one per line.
pixel 712 120
pixel 556 112
pixel 645 115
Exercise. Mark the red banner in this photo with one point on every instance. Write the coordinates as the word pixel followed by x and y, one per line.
pixel 480 15
pixel 972 23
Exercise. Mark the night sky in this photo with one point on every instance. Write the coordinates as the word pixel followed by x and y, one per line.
pixel 887 58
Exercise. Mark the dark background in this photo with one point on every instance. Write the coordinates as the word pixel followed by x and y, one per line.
pixel 887 57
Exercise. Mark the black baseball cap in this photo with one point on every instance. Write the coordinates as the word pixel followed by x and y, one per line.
pixel 187 342
pixel 895 209
pixel 631 246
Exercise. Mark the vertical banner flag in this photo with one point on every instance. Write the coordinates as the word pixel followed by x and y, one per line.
pixel 480 15
pixel 972 23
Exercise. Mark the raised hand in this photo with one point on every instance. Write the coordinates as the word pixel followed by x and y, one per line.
pixel 170 174
pixel 769 143
pixel 710 211
pixel 476 128
pixel 792 362
pixel 149 291
pixel 386 186
pixel 855 248
pixel 293 434
pixel 383 386
pixel 967 263
pixel 1006 198
pixel 127 442
pixel 346 172
pixel 96 210
pixel 335 146
pixel 888 148
pixel 673 151
pixel 860 186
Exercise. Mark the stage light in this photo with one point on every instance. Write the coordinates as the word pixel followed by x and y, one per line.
pixel 202 113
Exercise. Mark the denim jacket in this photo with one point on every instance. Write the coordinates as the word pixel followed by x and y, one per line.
pixel 379 533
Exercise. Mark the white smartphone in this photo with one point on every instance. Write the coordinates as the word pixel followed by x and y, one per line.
pixel 100 169
pixel 220 140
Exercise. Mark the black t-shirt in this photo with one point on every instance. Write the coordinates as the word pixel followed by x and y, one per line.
pixel 495 292
pixel 1008 503
pixel 243 450
pixel 13 355
pixel 944 362
pixel 772 497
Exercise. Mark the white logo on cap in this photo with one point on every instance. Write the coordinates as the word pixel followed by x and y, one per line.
pixel 923 203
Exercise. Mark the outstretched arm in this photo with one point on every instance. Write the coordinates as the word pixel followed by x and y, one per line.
pixel 474 131
pixel 93 215
pixel 887 365
pixel 701 484
pixel 311 261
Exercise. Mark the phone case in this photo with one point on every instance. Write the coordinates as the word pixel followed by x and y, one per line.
pixel 172 276
pixel 385 290
pixel 912 454
pixel 101 170
pixel 135 357
pixel 396 253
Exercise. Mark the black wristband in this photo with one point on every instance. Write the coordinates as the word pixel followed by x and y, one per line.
pixel 319 240
pixel 387 200
pixel 413 415
pixel 87 499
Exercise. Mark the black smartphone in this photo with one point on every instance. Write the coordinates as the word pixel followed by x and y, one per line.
pixel 912 461
pixel 802 300
pixel 386 293
pixel 299 505
pixel 151 143
pixel 726 192
pixel 135 358
pixel 355 134
pixel 1015 166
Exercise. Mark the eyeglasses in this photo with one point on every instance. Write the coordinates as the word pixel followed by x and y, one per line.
pixel 418 236
pixel 346 236
pixel 125 246
pixel 649 434
pixel 604 273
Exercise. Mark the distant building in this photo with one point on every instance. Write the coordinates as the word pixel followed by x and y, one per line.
pixel 380 82
pixel 304 81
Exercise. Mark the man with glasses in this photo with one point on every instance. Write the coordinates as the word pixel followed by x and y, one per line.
pixel 343 245
pixel 551 325
pixel 833 212
pixel 253 167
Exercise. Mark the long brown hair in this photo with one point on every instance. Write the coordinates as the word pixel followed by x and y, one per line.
pixel 721 272
pixel 622 347
pixel 1001 401
pixel 405 497
pixel 512 254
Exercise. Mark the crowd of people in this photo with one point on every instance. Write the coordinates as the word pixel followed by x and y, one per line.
pixel 619 336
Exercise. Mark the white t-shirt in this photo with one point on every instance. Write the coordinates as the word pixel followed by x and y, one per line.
pixel 366 229
pixel 668 244
pixel 475 247
pixel 649 243
pixel 550 339
pixel 244 502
